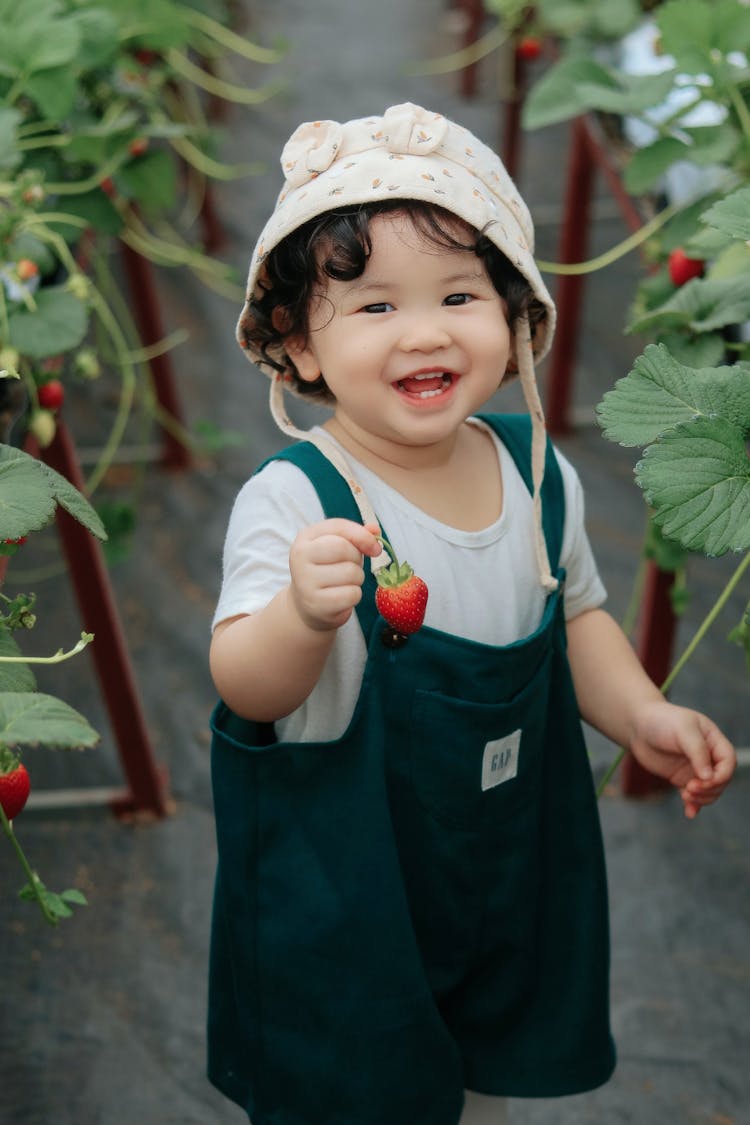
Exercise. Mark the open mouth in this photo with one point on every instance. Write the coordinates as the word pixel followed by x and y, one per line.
pixel 427 384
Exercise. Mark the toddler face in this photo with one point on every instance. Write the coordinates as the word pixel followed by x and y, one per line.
pixel 414 345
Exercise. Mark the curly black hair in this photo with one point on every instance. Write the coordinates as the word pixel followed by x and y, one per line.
pixel 337 244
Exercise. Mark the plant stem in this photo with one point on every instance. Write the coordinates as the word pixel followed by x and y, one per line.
pixel 699 635
pixel 615 252
pixel 33 879
pixel 708 622
pixel 457 60
pixel 229 39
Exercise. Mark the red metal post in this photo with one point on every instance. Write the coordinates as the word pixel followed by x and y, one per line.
pixel 145 303
pixel 655 645
pixel 83 554
pixel 511 146
pixel 569 298
pixel 474 14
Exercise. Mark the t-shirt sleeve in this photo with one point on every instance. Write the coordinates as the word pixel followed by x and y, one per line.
pixel 268 513
pixel 584 588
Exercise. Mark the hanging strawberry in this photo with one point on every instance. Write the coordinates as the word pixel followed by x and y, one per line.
pixel 401 596
pixel 683 269
pixel 15 786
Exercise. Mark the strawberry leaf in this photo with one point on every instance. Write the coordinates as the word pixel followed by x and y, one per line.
pixel 660 393
pixel 696 477
pixel 15 677
pixel 731 215
pixel 57 324
pixel 31 718
pixel 701 306
pixel 29 490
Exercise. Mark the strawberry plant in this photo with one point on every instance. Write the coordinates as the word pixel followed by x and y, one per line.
pixel 103 131
pixel 672 90
pixel 29 719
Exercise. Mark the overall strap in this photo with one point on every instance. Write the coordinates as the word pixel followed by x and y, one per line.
pixel 337 501
pixel 514 430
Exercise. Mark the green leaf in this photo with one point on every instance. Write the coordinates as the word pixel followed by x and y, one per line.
pixel 660 393
pixel 9 155
pixel 58 324
pixel 98 32
pixel 731 215
pixel 702 305
pixel 74 896
pixel 686 28
pixel 712 144
pixel 14 677
pixel 648 164
pixel 96 208
pixel 696 477
pixel 698 33
pixel 29 490
pixel 35 719
pixel 26 501
pixel 556 97
pixel 54 91
pixel 631 93
pixel 707 349
pixel 151 180
pixel 730 262
pixel 35 36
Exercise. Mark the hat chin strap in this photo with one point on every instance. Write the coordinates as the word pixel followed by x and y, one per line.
pixel 329 450
pixel 525 361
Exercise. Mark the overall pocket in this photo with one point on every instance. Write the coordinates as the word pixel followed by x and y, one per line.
pixel 472 761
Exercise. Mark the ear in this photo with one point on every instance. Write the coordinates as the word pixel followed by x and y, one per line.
pixel 303 358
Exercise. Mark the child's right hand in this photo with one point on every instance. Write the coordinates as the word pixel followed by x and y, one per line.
pixel 326 566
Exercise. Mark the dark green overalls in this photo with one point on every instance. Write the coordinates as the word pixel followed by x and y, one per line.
pixel 419 906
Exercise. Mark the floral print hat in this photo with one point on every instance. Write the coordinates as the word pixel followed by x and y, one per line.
pixel 408 153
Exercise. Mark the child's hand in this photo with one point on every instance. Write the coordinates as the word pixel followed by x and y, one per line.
pixel 327 570
pixel 685 747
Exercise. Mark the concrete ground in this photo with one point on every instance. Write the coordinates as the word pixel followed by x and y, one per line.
pixel 102 1020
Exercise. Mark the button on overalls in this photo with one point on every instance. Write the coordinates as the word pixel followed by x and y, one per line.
pixel 419 906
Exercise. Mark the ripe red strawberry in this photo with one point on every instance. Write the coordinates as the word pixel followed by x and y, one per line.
pixel 683 269
pixel 51 394
pixel 15 787
pixel 401 596
pixel 529 47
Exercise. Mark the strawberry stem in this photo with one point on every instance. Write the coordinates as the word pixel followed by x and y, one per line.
pixel 388 548
pixel 35 883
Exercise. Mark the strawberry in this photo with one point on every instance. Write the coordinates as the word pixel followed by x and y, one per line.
pixel 51 394
pixel 138 146
pixel 26 269
pixel 15 786
pixel 43 426
pixel 529 47
pixel 401 596
pixel 682 268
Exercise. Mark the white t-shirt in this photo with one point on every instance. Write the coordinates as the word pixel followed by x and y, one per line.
pixel 483 585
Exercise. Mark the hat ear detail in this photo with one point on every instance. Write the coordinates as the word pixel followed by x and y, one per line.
pixel 413 130
pixel 310 150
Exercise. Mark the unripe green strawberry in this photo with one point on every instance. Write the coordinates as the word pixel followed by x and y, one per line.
pixel 43 426
pixel 401 596
pixel 15 786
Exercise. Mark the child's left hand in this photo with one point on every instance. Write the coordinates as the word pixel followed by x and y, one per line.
pixel 686 748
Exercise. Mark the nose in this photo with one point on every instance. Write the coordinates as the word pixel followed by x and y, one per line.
pixel 424 332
